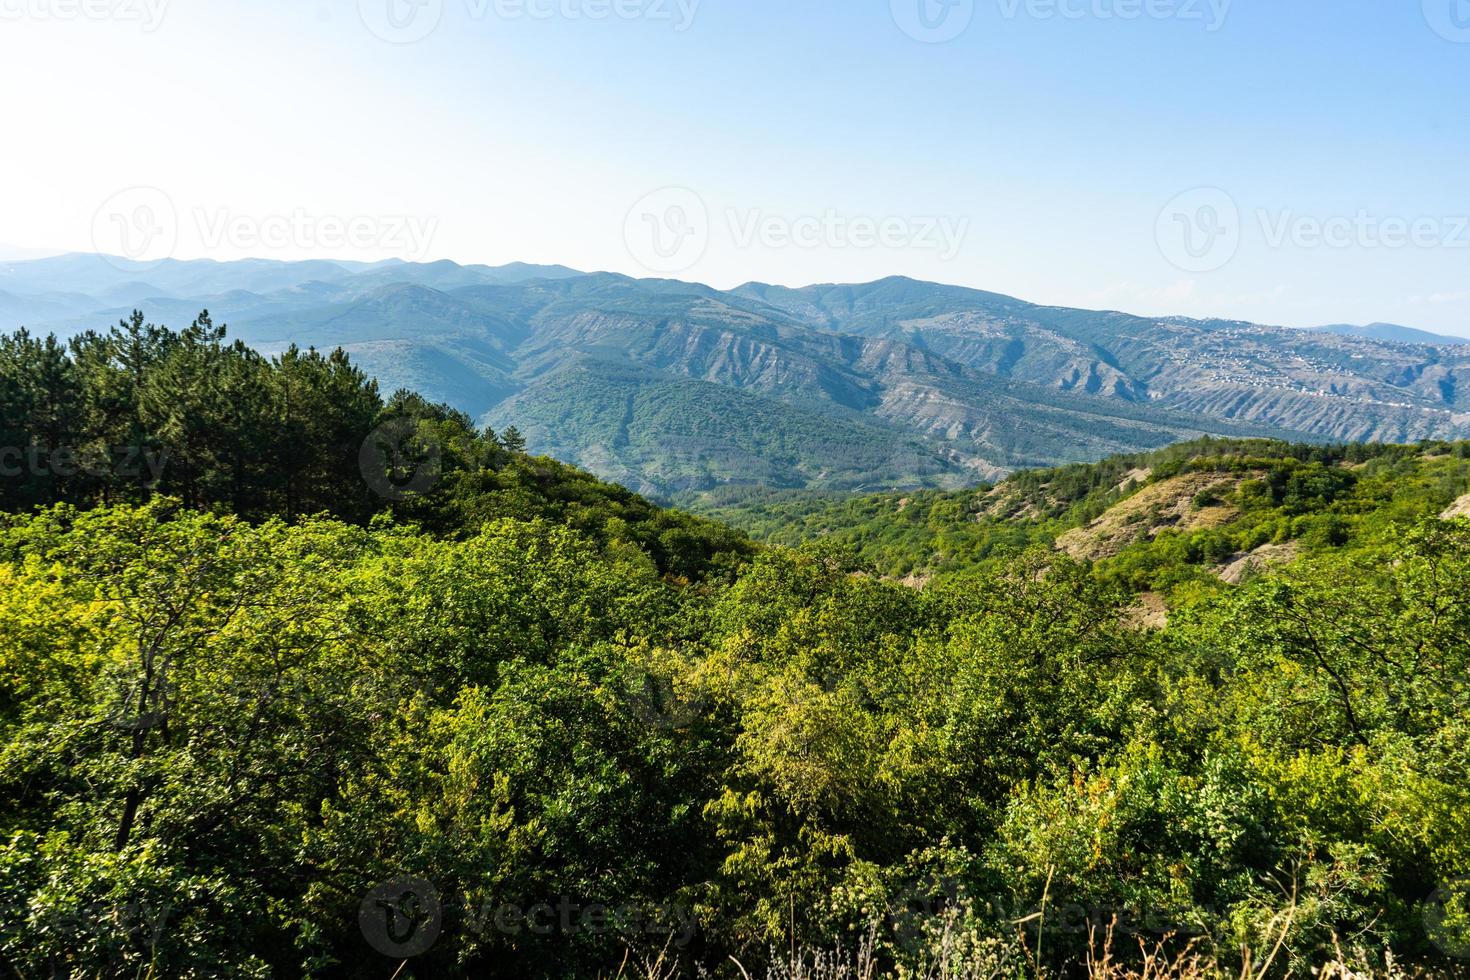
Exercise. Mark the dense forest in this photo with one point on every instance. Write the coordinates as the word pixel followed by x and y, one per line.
pixel 299 681
pixel 143 412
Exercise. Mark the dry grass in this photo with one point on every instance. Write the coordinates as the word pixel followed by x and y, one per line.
pixel 951 954
pixel 1161 961
pixel 1156 963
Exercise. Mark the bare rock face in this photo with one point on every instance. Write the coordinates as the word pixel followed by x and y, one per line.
pixel 1150 612
pixel 1460 508
pixel 1135 476
pixel 1267 556
pixel 1167 504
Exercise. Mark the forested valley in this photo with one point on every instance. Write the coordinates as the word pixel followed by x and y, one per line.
pixel 299 680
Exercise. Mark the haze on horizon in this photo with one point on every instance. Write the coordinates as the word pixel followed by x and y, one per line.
pixel 1190 157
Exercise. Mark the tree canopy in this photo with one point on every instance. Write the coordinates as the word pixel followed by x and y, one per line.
pixel 273 710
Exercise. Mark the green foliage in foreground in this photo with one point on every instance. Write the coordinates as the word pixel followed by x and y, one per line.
pixel 219 736
pixel 142 411
pixel 340 656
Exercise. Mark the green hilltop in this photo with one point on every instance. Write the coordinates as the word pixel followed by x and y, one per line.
pixel 349 687
pixel 1207 502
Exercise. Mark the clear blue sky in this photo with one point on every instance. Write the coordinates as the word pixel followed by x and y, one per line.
pixel 1049 144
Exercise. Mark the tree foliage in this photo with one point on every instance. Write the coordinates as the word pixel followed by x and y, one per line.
pixel 237 701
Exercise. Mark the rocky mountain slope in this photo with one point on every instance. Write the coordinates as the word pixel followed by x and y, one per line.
pixel 672 387
pixel 1324 383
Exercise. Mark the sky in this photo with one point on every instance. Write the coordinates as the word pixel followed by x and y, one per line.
pixel 1293 163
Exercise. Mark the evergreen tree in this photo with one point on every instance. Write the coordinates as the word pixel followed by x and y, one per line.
pixel 513 441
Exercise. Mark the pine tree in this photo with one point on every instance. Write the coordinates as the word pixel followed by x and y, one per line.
pixel 512 440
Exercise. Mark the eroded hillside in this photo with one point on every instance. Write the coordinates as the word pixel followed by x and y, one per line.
pixel 671 387
pixel 1190 516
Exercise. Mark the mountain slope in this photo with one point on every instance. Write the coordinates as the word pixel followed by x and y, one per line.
pixel 895 383
pixel 1391 332
pixel 1187 516
pixel 659 434
pixel 1328 385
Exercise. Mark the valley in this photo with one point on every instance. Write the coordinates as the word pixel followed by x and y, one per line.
pixel 676 389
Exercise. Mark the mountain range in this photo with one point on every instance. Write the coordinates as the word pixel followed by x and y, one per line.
pixel 1392 332
pixel 674 388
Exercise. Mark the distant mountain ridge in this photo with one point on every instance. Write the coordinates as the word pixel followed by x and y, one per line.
pixel 1392 332
pixel 672 387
